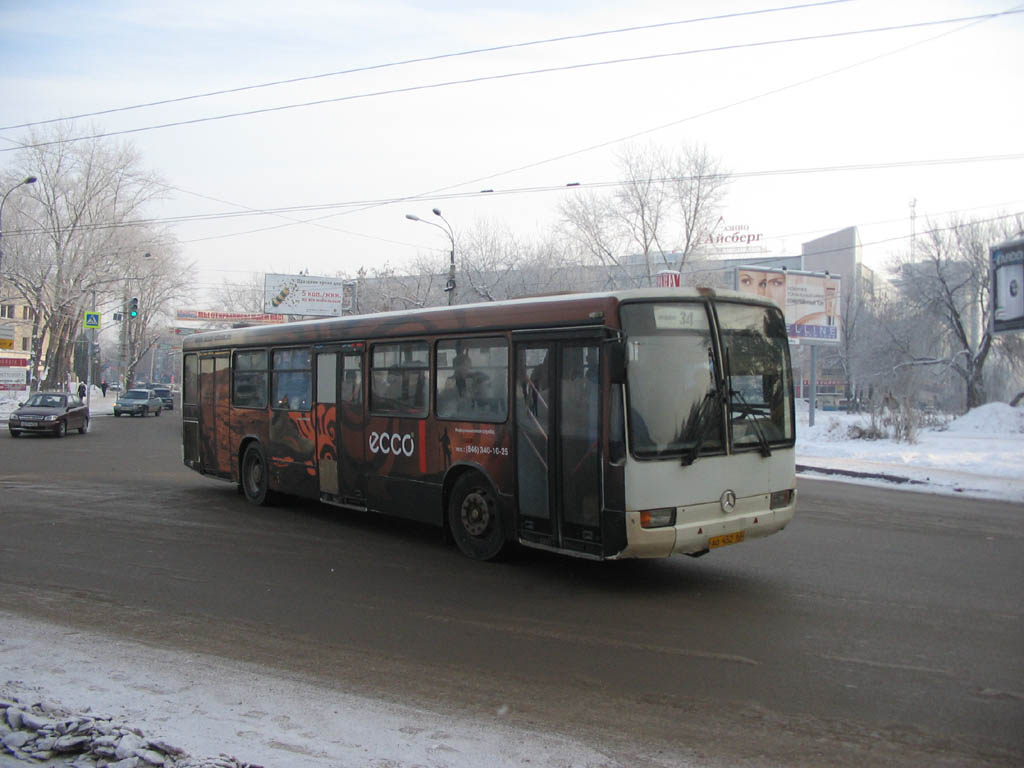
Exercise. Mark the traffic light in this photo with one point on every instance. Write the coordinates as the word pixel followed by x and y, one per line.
pixel 133 307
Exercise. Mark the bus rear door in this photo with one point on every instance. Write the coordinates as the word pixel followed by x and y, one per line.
pixel 341 424
pixel 214 394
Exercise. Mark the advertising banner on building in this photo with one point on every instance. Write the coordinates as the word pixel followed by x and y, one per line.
pixel 1008 286
pixel 809 301
pixel 206 316
pixel 12 373
pixel 6 337
pixel 307 295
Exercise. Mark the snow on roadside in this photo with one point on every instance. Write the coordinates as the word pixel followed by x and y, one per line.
pixel 978 454
pixel 210 706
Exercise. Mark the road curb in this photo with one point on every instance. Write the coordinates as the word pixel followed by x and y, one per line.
pixel 898 479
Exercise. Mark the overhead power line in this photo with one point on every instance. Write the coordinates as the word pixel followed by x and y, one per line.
pixel 426 59
pixel 333 206
pixel 523 73
pixel 720 108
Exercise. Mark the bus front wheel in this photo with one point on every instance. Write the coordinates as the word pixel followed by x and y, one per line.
pixel 474 518
pixel 254 476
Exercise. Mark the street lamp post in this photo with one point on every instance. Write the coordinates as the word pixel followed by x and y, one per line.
pixel 449 287
pixel 23 182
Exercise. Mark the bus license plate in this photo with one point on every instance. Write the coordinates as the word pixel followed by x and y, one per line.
pixel 726 538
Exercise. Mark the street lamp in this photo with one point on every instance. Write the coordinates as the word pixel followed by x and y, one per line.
pixel 23 182
pixel 449 287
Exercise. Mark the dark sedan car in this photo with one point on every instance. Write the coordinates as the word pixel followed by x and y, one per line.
pixel 164 393
pixel 49 412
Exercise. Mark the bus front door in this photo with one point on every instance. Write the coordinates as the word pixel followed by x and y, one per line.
pixel 558 472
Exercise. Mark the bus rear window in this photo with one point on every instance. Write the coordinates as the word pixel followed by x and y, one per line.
pixel 190 380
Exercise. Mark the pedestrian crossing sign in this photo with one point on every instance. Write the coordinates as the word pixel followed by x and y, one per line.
pixel 92 320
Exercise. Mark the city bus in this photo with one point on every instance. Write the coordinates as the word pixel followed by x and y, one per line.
pixel 622 424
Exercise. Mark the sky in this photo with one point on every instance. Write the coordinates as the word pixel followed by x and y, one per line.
pixel 207 705
pixel 391 138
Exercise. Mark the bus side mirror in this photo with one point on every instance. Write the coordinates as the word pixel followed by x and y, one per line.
pixel 616 356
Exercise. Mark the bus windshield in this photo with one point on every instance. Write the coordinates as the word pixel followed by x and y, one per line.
pixel 673 407
pixel 758 370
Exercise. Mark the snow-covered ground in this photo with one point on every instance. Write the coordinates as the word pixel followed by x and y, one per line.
pixel 979 454
pixel 207 706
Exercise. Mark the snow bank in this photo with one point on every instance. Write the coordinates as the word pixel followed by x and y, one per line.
pixel 992 418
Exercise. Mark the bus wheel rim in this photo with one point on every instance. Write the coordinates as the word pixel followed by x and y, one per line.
pixel 476 514
pixel 255 474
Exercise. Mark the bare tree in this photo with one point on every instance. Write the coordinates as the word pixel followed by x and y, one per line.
pixel 699 186
pixel 641 205
pixel 246 295
pixel 386 289
pixel 589 225
pixel 948 283
pixel 660 213
pixel 71 226
pixel 493 264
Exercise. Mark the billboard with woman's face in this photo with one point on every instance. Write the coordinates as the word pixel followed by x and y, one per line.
pixel 1008 286
pixel 810 302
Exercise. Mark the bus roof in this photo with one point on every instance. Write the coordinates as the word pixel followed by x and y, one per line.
pixel 541 312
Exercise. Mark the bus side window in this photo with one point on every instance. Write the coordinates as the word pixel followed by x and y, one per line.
pixel 293 379
pixel 472 379
pixel 398 378
pixel 249 387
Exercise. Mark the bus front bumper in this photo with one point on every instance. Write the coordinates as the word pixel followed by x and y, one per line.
pixel 702 527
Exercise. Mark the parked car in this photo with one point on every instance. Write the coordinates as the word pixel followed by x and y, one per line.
pixel 164 393
pixel 49 412
pixel 138 402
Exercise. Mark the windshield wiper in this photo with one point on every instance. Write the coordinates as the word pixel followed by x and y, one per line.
pixel 747 412
pixel 701 425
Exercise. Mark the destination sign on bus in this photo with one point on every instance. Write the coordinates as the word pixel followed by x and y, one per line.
pixel 677 317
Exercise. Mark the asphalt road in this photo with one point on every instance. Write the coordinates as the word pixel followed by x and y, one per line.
pixel 881 628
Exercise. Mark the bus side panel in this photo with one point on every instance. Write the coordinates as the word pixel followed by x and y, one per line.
pixel 326 446
pixel 486 447
pixel 291 453
pixel 246 422
pixel 397 480
pixel 408 459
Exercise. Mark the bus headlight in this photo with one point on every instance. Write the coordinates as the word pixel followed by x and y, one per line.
pixel 782 498
pixel 657 518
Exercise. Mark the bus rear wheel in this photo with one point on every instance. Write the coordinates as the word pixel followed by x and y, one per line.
pixel 474 518
pixel 254 479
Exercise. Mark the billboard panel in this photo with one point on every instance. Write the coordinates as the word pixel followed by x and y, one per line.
pixel 307 295
pixel 12 374
pixel 809 301
pixel 1007 261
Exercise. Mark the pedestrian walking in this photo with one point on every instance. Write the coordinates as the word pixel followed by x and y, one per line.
pixel 103 387
pixel 81 390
